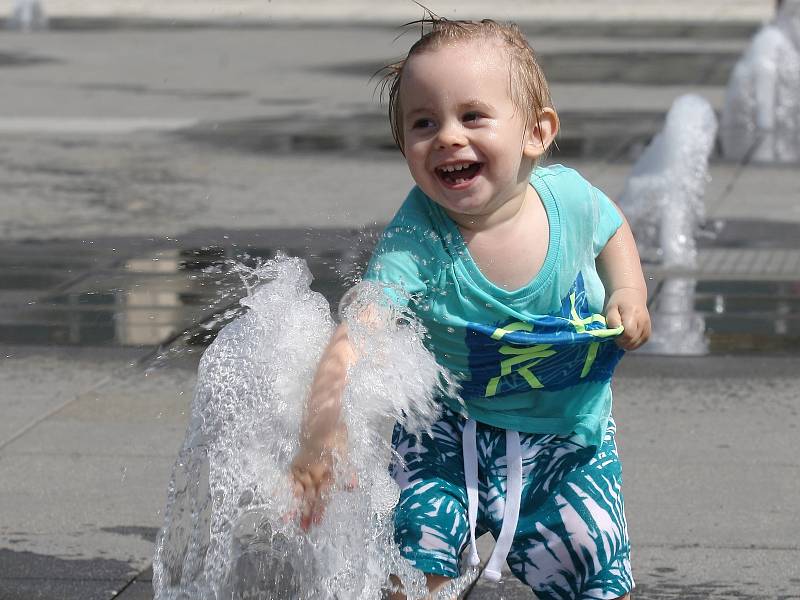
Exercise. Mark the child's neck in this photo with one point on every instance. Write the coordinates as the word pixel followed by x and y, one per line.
pixel 506 215
pixel 509 246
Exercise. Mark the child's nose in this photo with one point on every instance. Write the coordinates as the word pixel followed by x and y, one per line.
pixel 451 134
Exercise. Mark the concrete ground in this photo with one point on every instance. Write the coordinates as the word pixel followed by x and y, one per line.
pixel 125 148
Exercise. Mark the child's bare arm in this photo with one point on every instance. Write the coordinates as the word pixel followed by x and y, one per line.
pixel 621 272
pixel 323 435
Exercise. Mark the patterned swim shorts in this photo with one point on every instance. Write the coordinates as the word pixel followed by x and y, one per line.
pixel 571 539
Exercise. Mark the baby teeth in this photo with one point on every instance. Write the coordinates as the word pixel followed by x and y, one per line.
pixel 451 168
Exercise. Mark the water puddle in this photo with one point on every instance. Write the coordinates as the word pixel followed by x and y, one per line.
pixel 752 234
pixel 149 293
pixel 736 316
pixel 180 293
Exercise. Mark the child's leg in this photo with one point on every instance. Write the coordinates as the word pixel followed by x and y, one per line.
pixel 575 543
pixel 431 527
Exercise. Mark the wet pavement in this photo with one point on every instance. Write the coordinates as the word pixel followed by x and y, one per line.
pixel 116 271
pixel 151 292
pixel 132 292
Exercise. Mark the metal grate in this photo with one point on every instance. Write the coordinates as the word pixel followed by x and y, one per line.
pixel 750 263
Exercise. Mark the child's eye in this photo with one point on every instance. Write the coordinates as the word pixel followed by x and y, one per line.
pixel 422 124
pixel 471 116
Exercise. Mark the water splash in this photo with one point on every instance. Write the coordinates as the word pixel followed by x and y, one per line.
pixel 761 115
pixel 663 196
pixel 663 200
pixel 27 15
pixel 225 533
pixel 678 329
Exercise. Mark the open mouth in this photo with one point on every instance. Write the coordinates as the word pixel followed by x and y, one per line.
pixel 458 174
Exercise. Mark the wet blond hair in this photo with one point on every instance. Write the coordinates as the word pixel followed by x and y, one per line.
pixel 527 84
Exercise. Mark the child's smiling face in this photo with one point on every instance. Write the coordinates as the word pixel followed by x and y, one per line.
pixel 465 141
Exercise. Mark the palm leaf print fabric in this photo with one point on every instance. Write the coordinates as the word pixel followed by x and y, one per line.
pixel 571 541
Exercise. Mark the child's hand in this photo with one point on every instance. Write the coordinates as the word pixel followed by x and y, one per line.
pixel 313 476
pixel 628 307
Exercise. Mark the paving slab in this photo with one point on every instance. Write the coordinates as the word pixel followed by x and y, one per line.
pixel 203 187
pixel 138 590
pixel 65 496
pixel 768 192
pixel 710 474
pixel 58 589
pixel 36 382
pixel 89 480
pixel 750 573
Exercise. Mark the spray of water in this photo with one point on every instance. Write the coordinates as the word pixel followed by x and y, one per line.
pixel 225 533
pixel 27 15
pixel 663 200
pixel 663 196
pixel 761 115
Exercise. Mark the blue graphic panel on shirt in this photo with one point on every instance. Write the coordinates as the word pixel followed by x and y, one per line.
pixel 548 352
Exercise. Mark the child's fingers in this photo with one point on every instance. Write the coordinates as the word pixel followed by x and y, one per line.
pixel 630 332
pixel 637 328
pixel 613 317
pixel 352 482
pixel 308 508
pixel 317 514
pixel 318 503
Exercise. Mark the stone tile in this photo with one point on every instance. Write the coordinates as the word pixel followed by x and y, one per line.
pixel 138 590
pixel 35 382
pixel 672 573
pixel 70 437
pixel 25 565
pixel 70 494
pixel 161 397
pixel 748 198
pixel 706 571
pixel 710 460
pixel 13 588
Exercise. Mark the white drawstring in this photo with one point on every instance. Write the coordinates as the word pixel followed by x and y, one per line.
pixel 470 450
pixel 513 497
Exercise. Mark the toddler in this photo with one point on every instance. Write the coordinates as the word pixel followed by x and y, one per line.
pixel 510 266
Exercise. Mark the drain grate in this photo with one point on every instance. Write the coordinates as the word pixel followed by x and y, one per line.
pixel 750 263
pixel 746 264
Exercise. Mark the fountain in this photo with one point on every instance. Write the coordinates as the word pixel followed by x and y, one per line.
pixel 663 201
pixel 761 115
pixel 663 196
pixel 27 15
pixel 226 533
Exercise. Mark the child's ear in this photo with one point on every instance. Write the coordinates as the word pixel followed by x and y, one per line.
pixel 541 133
